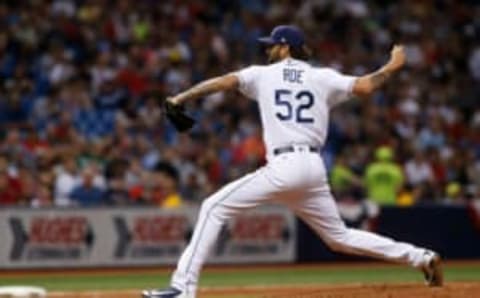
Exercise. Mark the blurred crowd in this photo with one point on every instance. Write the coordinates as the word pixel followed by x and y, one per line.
pixel 82 83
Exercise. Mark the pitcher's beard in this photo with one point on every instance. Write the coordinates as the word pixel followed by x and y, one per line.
pixel 272 59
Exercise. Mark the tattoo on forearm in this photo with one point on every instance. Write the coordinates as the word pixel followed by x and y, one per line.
pixel 379 78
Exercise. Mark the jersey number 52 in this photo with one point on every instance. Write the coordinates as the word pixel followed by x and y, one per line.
pixel 289 112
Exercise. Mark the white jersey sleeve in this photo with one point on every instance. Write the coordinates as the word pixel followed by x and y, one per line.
pixel 339 85
pixel 248 79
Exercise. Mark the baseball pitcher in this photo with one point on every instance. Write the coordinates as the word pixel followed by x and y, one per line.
pixel 295 100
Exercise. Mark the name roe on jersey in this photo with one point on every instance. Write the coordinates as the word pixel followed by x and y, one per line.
pixel 292 75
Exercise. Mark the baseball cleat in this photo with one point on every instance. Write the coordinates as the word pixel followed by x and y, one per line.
pixel 432 269
pixel 163 293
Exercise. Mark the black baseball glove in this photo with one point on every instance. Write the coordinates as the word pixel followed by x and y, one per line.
pixel 177 116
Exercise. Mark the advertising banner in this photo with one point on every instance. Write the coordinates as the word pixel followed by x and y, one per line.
pixel 34 238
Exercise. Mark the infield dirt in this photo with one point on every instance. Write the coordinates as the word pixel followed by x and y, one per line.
pixel 410 290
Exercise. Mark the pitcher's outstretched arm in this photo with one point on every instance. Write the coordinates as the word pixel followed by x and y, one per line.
pixel 366 85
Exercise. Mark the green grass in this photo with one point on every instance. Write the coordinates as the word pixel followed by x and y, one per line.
pixel 243 277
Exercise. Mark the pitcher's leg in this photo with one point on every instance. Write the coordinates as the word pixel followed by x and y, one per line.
pixel 321 214
pixel 237 196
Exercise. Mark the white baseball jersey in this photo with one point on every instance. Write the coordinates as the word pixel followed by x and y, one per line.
pixel 294 99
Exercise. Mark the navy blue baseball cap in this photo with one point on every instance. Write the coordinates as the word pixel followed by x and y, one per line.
pixel 285 34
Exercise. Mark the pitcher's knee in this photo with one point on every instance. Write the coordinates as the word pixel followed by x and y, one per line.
pixel 335 245
pixel 207 206
pixel 338 242
pixel 213 208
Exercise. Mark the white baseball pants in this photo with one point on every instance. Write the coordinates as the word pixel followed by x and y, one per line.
pixel 299 180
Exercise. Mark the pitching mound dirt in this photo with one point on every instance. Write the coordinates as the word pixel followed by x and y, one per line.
pixel 450 290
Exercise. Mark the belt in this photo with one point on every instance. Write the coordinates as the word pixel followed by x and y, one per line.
pixel 287 149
